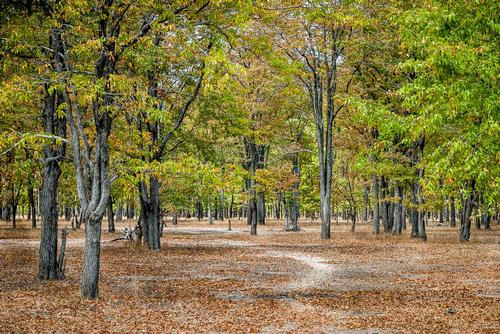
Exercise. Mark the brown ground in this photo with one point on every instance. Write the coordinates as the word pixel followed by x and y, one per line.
pixel 209 280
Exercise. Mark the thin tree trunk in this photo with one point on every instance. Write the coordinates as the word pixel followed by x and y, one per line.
pixel 210 218
pixel 294 210
pixel 32 207
pixel 253 226
pixel 261 208
pixel 453 221
pixel 221 205
pixel 465 225
pixel 111 216
pixel 376 206
pixel 398 211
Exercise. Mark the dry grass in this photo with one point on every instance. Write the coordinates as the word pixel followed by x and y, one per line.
pixel 208 280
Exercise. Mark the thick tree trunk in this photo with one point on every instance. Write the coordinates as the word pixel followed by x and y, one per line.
pixel 47 263
pixel 465 223
pixel 91 259
pixel 52 123
pixel 150 206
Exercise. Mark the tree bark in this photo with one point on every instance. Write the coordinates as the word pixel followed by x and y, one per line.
pixel 150 205
pixel 465 223
pixel 32 206
pixel 294 210
pixel 56 125
pixel 210 217
pixel 111 216
pixel 398 208
pixel 453 221
pixel 47 263
pixel 91 259
pixel 376 206
pixel 221 204
pixel 261 208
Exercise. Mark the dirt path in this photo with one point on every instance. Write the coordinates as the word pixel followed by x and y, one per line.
pixel 316 276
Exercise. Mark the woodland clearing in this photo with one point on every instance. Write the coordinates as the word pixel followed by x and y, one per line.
pixel 206 279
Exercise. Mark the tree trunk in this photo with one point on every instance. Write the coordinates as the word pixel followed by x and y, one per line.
pixel 294 210
pixel 119 212
pixel 261 208
pixel 56 125
pixel 47 263
pixel 277 213
pixel 231 206
pixel 376 206
pixel 253 226
pixel 353 213
pixel 210 218
pixel 453 221
pixel 150 205
pixel 32 207
pixel 398 209
pixel 366 199
pixel 403 216
pixel 385 204
pixel 91 259
pixel 465 223
pixel 221 205
pixel 111 218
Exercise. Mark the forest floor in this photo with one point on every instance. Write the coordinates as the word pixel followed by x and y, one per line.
pixel 207 279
